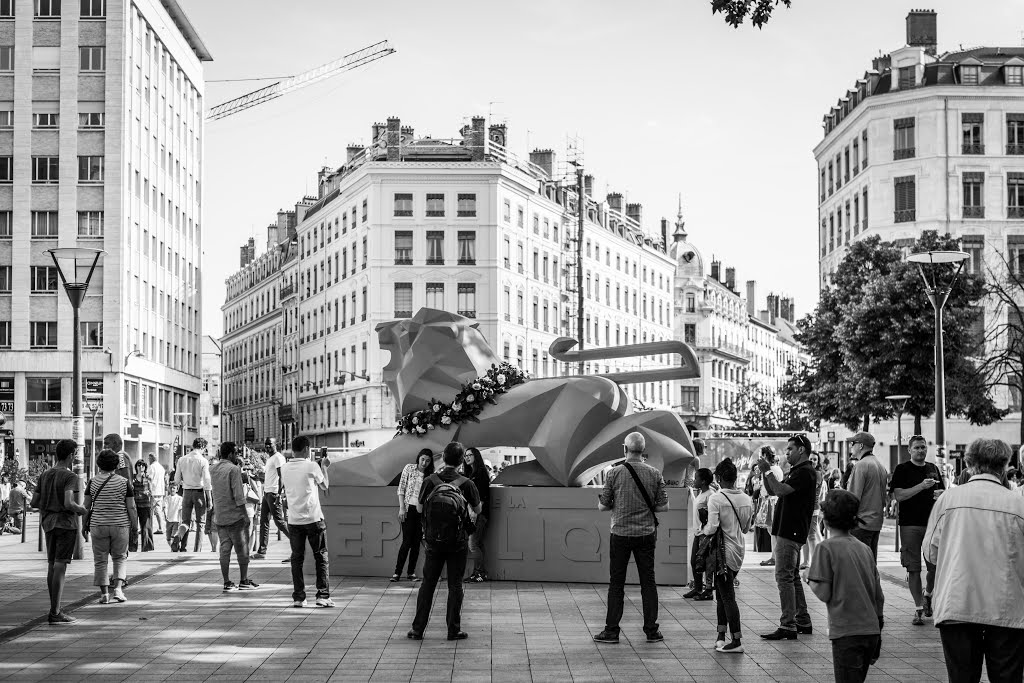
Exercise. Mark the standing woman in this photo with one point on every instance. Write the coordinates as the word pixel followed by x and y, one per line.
pixel 412 527
pixel 110 499
pixel 814 535
pixel 144 507
pixel 730 510
pixel 476 470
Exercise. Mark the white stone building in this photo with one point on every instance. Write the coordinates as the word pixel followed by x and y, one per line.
pixel 209 397
pixel 101 140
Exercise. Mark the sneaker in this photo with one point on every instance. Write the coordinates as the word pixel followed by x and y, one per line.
pixel 471 578
pixel 770 562
pixel 655 637
pixel 414 578
pixel 928 606
pixel 607 636
pixel 805 630
pixel 719 643
pixel 60 619
pixel 258 556
pixel 692 593
pixel 324 602
pixel 119 595
pixel 248 585
pixel 735 648
pixel 158 532
pixel 706 595
pixel 286 560
pixel 395 578
pixel 918 621
pixel 299 603
pixel 229 586
pixel 414 635
pixel 780 634
pixel 458 635
pixel 105 599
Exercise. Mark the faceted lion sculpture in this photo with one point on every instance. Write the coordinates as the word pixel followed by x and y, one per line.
pixel 573 425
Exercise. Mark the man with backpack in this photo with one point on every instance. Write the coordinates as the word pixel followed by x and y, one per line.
pixel 633 492
pixel 448 502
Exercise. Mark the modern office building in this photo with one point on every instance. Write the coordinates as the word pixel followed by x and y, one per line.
pixel 209 397
pixel 101 143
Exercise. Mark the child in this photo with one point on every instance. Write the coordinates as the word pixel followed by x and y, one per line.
pixel 844 576
pixel 702 482
pixel 172 514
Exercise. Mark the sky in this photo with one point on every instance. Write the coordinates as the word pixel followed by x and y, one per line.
pixel 665 97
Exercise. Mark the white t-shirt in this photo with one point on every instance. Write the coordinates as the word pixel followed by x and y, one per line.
pixel 777 473
pixel 270 472
pixel 301 478
pixel 157 479
pixel 172 508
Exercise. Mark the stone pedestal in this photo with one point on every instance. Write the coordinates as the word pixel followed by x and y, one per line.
pixel 533 534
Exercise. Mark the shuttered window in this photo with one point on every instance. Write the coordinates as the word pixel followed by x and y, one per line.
pixel 903 142
pixel 906 199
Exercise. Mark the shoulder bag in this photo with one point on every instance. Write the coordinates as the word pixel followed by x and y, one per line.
pixel 711 549
pixel 92 503
pixel 643 492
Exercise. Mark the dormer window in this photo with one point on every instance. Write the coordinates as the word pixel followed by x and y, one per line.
pixel 969 74
pixel 1013 74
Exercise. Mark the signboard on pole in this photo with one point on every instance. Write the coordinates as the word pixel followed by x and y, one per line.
pixel 93 388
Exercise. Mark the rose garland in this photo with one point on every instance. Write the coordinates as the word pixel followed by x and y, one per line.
pixel 468 403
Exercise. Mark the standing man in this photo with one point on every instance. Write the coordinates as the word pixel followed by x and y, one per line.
pixel 271 505
pixel 230 517
pixel 193 476
pixel 300 479
pixel 790 527
pixel 115 443
pixel 634 492
pixel 448 502
pixel 868 482
pixel 57 500
pixel 975 536
pixel 915 485
pixel 17 504
pixel 158 489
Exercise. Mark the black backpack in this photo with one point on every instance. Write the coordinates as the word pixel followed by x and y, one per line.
pixel 445 512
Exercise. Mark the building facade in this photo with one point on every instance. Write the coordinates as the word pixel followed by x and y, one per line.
pixel 101 141
pixel 209 397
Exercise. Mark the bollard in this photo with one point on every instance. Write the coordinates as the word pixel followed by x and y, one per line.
pixel 24 526
pixel 40 527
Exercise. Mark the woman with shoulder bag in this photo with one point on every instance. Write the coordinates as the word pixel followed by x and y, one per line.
pixel 144 508
pixel 111 521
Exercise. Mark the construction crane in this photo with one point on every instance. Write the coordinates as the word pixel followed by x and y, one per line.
pixel 350 61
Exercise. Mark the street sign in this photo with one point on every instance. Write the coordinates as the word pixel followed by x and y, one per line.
pixel 135 431
pixel 250 433
pixel 831 436
pixel 94 387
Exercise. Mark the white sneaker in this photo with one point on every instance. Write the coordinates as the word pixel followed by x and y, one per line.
pixel 299 603
pixel 119 595
pixel 719 643
pixel 324 602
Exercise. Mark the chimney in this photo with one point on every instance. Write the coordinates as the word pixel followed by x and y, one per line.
pixel 636 212
pixel 588 185
pixel 922 30
pixel 351 152
pixel 407 134
pixel 787 308
pixel 752 298
pixel 615 201
pixel 477 138
pixel 243 259
pixel 321 178
pixel 773 308
pixel 301 207
pixel 271 236
pixel 394 141
pixel 252 249
pixel 730 278
pixel 664 233
pixel 378 130
pixel 881 63
pixel 498 134
pixel 716 270
pixel 545 158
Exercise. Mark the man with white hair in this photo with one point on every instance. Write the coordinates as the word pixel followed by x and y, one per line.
pixel 633 492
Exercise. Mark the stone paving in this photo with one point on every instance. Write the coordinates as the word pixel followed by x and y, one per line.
pixel 179 625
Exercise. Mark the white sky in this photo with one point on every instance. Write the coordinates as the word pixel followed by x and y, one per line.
pixel 666 97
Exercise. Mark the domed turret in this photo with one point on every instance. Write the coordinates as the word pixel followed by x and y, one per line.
pixel 688 259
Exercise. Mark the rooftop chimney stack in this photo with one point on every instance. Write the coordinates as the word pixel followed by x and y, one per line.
pixel 615 201
pixel 716 270
pixel 588 185
pixel 351 152
pixel 636 212
pixel 478 138
pixel 545 158
pixel 394 139
pixel 271 236
pixel 922 30
pixel 664 233
pixel 752 298
pixel 730 278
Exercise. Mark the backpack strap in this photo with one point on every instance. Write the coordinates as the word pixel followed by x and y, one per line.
pixel 643 492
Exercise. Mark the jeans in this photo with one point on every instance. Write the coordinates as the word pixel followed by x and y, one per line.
pixel 159 521
pixel 642 550
pixel 868 538
pixel 271 506
pixel 109 542
pixel 193 500
pixel 728 608
pixel 791 589
pixel 145 543
pixel 412 537
pixel 437 557
pixel 966 645
pixel 851 657
pixel 316 534
pixel 476 543
pixel 236 535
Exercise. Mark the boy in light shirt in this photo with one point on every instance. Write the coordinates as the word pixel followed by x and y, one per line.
pixel 172 513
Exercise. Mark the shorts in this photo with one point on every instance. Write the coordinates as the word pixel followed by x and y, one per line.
pixel 911 539
pixel 60 544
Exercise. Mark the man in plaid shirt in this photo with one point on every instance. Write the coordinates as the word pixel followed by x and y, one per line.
pixel 634 531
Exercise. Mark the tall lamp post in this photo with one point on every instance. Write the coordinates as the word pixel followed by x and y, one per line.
pixel 76 266
pixel 182 417
pixel 94 408
pixel 939 270
pixel 899 404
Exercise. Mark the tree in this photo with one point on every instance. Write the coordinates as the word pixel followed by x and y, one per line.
pixel 736 11
pixel 872 334
pixel 1003 342
pixel 756 409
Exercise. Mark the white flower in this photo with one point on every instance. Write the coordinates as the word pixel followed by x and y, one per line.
pixel 415 420
pixel 476 386
pixel 445 420
pixel 469 399
pixel 430 426
pixel 501 379
pixel 437 407
pixel 421 430
pixel 456 407
pixel 405 431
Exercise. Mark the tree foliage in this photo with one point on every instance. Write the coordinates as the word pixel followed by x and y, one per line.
pixel 872 335
pixel 756 409
pixel 1003 365
pixel 736 11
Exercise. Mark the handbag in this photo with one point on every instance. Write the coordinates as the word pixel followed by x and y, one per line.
pixel 712 551
pixel 643 492
pixel 88 513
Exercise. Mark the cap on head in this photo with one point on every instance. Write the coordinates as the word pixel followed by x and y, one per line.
pixel 863 438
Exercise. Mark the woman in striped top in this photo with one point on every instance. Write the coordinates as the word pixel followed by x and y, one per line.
pixel 111 500
pixel 408 495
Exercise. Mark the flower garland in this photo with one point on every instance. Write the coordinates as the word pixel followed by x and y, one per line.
pixel 468 403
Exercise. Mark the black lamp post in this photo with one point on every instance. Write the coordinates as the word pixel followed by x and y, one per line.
pixel 76 266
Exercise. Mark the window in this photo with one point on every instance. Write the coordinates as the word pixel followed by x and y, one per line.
pixel 5 279
pixel 1013 75
pixel 691 304
pixel 864 145
pixel 403 299
pixel 839 170
pixel 47 8
pixel 467 206
pixel 366 213
pixel 7 58
pixel 1015 195
pixel 43 394
pixel 92 335
pixel 856 156
pixel 864 208
pixel 831 181
pixel 689 398
pixel 92 59
pixel 402 247
pixel 7 8
pixel 90 169
pixel 971 125
pixel 435 295
pixel 974 196
pixel 435 247
pixel 435 206
pixel 1015 133
pixel 846 165
pixel 520 217
pixel 5 334
pixel 903 145
pixel 467 248
pixel 1016 246
pixel 467 299
pixel 969 74
pixel 94 119
pixel 45 120
pixel 94 9
pixel 906 200
pixel 44 224
pixel 90 224
pixel 43 335
pixel 974 245
pixel 690 333
pixel 507 212
pixel 45 58
pixel 44 279
pixel 908 77
pixel 6 118
pixel 403 205
pixel 45 169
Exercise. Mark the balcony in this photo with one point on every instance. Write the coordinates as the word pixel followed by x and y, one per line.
pixel 1015 149
pixel 467 261
pixel 904 215
pixel 1015 212
pixel 974 212
pixel 398 314
pixel 905 153
pixel 435 261
pixel 287 291
pixel 723 348
pixel 468 314
pixel 402 261
pixel 972 148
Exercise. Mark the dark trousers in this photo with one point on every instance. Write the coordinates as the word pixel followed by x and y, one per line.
pixel 316 534
pixel 145 542
pixel 412 537
pixel 271 505
pixel 728 608
pixel 438 557
pixel 868 538
pixel 698 571
pixel 642 550
pixel 851 657
pixel 966 645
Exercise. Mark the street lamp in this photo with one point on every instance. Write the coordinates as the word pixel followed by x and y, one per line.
pixel 938 265
pixel 181 422
pixel 76 266
pixel 899 404
pixel 94 407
